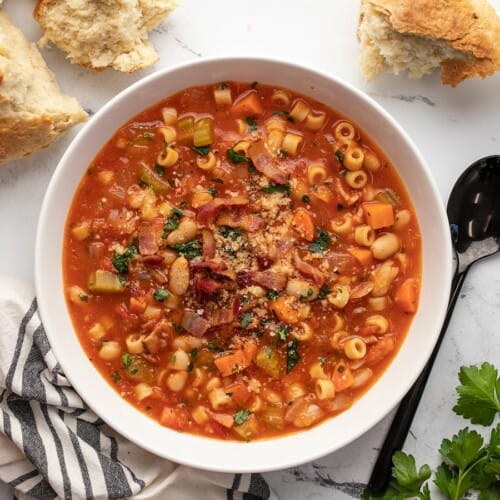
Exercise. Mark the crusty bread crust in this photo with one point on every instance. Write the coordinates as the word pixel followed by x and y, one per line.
pixel 33 112
pixel 470 27
pixel 103 33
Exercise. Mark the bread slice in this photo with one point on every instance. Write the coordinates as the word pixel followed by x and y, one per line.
pixel 33 112
pixel 461 36
pixel 103 33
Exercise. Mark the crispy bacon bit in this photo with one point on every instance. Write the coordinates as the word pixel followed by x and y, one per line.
pixel 148 244
pixel 216 266
pixel 194 323
pixel 270 280
pixel 207 213
pixel 249 222
pixel 308 270
pixel 221 316
pixel 205 287
pixel 264 262
pixel 263 162
pixel 153 260
pixel 245 279
pixel 208 244
pixel 154 359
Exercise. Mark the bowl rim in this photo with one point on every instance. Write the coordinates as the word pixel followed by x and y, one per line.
pixel 193 443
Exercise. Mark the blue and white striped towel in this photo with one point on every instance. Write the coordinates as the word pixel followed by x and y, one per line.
pixel 53 446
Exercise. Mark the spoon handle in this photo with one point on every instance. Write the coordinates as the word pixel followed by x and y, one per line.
pixel 400 426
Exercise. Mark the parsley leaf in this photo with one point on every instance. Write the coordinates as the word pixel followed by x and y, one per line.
pixel 121 261
pixel 277 188
pixel 320 244
pixel 324 291
pixel 292 355
pixel 161 294
pixel 305 198
pixel 272 294
pixel 241 416
pixel 236 157
pixel 252 124
pixel 479 393
pixel 246 319
pixel 230 232
pixel 339 155
pixel 202 150
pixel 159 170
pixel 172 223
pixel 190 249
pixel 211 190
pixel 126 360
pixel 282 332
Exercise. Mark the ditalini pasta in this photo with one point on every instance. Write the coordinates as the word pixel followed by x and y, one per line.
pixel 241 262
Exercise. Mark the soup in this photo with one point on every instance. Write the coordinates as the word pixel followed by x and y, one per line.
pixel 241 262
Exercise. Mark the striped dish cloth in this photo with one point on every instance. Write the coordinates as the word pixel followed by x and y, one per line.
pixel 53 446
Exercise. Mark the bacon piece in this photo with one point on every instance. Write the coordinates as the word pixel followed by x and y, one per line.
pixel 205 287
pixel 208 211
pixel 263 162
pixel 221 316
pixel 194 323
pixel 153 260
pixel 264 262
pixel 214 265
pixel 245 279
pixel 148 244
pixel 249 222
pixel 270 280
pixel 208 244
pixel 308 270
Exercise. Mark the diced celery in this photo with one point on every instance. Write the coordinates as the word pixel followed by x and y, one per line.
pixel 247 429
pixel 140 369
pixel 272 415
pixel 267 360
pixel 203 132
pixel 102 281
pixel 185 128
pixel 154 181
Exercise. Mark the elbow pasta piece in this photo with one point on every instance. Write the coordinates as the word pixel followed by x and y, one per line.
pixel 280 98
pixel 207 162
pixel 339 297
pixel 169 158
pixel 242 147
pixel 110 350
pixel 179 360
pixel 169 116
pixel 302 332
pixel 315 121
pixel 177 380
pixel 355 348
pixel 223 97
pixel 401 219
pixel 337 338
pixel 169 134
pixel 218 398
pixel 371 161
pixel 299 111
pixel 339 322
pixel 364 235
pixel 134 344
pixel 275 140
pixel 356 179
pixel 242 126
pixel 344 131
pixel 295 391
pixel 324 389
pixel 291 143
pixel 342 226
pixel 142 391
pixel 381 322
pixel 317 371
pixel 385 246
pixel 275 123
pixel 316 173
pixel 97 331
pixel 353 158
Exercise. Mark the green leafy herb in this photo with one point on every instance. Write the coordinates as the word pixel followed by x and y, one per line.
pixel 172 223
pixel 282 332
pixel 252 124
pixel 320 244
pixel 190 249
pixel 116 376
pixel 190 367
pixel 236 157
pixel 308 295
pixel 306 198
pixel 202 150
pixel 121 261
pixel 214 347
pixel 282 153
pixel 194 353
pixel 339 155
pixel 292 355
pixel 126 360
pixel 277 188
pixel 83 297
pixel 246 320
pixel 173 358
pixel 324 291
pixel 159 170
pixel 272 294
pixel 241 416
pixel 212 191
pixel 229 251
pixel 161 294
pixel 230 232
pixel 479 393
pixel 133 371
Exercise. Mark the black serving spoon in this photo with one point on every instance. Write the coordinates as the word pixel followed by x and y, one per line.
pixel 474 216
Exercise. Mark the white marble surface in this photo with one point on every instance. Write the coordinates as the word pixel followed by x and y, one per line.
pixel 452 127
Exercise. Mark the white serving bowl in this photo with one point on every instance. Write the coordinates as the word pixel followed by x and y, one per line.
pixel 230 456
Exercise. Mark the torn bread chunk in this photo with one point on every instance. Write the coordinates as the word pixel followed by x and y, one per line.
pixel 103 33
pixel 33 111
pixel 417 36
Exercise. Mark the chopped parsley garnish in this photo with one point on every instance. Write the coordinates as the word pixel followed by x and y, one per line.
pixel 230 232
pixel 272 294
pixel 173 358
pixel 83 297
pixel 212 346
pixel 282 153
pixel 308 295
pixel 229 251
pixel 212 191
pixel 116 376
pixel 236 157
pixel 202 150
pixel 292 355
pixel 339 155
pixel 320 244
pixel 246 320
pixel 190 367
pixel 173 222
pixel 322 361
pixel 194 353
pixel 324 291
pixel 252 124
pixel 190 249
pixel 161 294
pixel 121 261
pixel 305 198
pixel 134 371
pixel 241 416
pixel 159 170
pixel 277 188
pixel 282 332
pixel 126 360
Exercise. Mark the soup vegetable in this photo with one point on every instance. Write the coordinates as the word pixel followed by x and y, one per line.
pixel 241 262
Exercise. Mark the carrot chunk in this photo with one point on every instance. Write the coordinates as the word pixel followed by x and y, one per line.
pixel 342 377
pixel 283 308
pixel 239 392
pixel 303 223
pixel 238 360
pixel 362 255
pixel 248 105
pixel 406 296
pixel 378 214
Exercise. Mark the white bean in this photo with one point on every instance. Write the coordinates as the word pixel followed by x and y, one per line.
pixel 185 232
pixel 179 276
pixel 385 246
